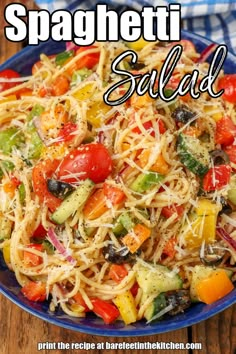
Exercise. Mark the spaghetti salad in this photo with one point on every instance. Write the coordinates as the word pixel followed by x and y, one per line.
pixel 126 211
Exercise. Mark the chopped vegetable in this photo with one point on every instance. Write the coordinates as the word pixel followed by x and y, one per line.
pixel 117 272
pixel 213 288
pixel 135 238
pixel 32 259
pixel 145 181
pixel 59 246
pixel 216 178
pixel 193 154
pixel 10 138
pixel 228 84
pixel 225 131
pixel 35 291
pixel 73 202
pixel 106 310
pixel 114 194
pixel 126 305
pixel 96 205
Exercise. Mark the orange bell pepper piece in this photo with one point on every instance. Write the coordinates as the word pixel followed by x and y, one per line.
pixel 95 205
pixel 134 239
pixel 214 288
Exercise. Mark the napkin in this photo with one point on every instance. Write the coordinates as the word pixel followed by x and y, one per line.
pixel 214 19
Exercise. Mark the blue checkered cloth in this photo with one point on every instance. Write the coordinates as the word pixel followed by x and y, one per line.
pixel 214 19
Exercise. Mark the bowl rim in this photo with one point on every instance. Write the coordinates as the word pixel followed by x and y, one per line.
pixel 126 331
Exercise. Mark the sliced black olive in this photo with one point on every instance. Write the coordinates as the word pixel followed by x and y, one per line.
pixel 118 256
pixel 179 299
pixel 226 208
pixel 212 255
pixel 136 66
pixel 183 114
pixel 219 157
pixel 58 188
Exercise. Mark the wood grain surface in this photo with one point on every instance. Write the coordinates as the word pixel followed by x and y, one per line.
pixel 21 333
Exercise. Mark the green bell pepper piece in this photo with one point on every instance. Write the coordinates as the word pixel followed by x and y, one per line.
pixel 10 138
pixel 61 58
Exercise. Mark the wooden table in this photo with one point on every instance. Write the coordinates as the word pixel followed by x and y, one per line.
pixel 21 332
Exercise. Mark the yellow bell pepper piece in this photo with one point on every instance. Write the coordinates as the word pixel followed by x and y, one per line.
pixel 6 253
pixel 214 112
pixel 126 305
pixel 202 224
pixel 8 98
pixel 137 45
pixel 84 93
pixel 96 112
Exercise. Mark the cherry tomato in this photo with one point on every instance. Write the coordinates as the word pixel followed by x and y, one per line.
pixel 228 83
pixel 88 161
pixel 34 291
pixel 216 178
pixel 8 74
pixel 225 131
pixel 41 172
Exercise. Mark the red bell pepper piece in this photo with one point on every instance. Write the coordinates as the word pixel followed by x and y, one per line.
pixel 117 272
pixel 80 301
pixel 106 310
pixel 114 194
pixel 169 249
pixel 216 178
pixel 35 291
pixel 231 152
pixel 40 232
pixel 89 60
pixel 168 211
pixel 31 259
pixel 225 131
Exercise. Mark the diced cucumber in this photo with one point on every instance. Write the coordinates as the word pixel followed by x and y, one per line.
pixel 201 272
pixel 123 224
pixel 158 304
pixel 73 202
pixel 157 278
pixel 145 181
pixel 193 154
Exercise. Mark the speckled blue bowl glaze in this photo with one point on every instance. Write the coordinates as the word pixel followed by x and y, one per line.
pixel 22 62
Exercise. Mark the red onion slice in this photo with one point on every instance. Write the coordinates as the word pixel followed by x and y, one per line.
pixel 226 237
pixel 57 244
pixel 71 46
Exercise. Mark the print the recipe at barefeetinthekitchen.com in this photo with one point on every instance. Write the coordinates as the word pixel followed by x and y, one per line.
pixel 119 345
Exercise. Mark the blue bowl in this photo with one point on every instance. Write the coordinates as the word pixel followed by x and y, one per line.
pixel 22 62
